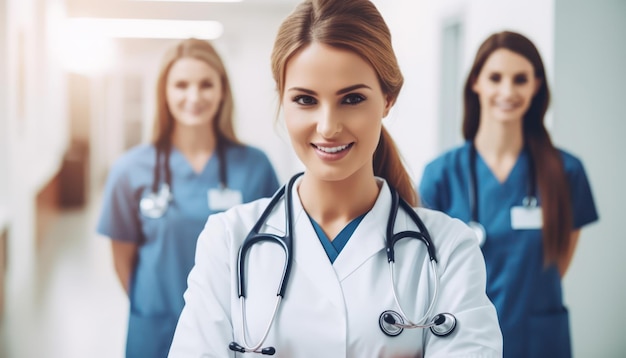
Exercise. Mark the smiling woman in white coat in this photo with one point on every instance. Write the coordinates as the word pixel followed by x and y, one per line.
pixel 339 263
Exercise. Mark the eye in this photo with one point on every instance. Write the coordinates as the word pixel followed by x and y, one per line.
pixel 520 79
pixel 495 77
pixel 181 84
pixel 206 84
pixel 304 100
pixel 353 99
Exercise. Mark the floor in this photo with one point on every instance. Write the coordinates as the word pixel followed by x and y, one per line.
pixel 74 307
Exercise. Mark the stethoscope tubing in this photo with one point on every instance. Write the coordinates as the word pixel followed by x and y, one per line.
pixel 286 243
pixel 162 164
pixel 474 223
pixel 431 306
pixel 256 348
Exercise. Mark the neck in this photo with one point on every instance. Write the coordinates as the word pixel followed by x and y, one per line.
pixel 499 144
pixel 333 204
pixel 499 139
pixel 195 143
pixel 193 139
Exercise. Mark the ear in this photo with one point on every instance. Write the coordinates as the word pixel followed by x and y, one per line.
pixel 475 86
pixel 388 104
pixel 538 83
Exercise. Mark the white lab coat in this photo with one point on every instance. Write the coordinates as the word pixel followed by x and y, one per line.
pixel 332 310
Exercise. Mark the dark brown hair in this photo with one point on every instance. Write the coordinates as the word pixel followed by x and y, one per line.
pixel 356 26
pixel 549 172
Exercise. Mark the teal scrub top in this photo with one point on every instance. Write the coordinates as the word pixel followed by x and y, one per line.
pixel 527 296
pixel 167 244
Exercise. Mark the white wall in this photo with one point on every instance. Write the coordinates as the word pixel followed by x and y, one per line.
pixel 36 122
pixel 590 53
pixel 4 147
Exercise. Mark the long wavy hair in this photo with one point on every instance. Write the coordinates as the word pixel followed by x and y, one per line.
pixel 549 172
pixel 356 26
pixel 164 122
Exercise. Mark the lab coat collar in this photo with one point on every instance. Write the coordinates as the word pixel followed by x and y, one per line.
pixel 369 237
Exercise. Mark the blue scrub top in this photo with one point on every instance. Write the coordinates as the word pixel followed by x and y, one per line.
pixel 167 244
pixel 526 294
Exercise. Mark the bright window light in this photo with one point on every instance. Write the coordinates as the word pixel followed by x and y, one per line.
pixel 192 0
pixel 147 28
pixel 84 53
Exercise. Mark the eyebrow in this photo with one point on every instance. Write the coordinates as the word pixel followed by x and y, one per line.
pixel 340 92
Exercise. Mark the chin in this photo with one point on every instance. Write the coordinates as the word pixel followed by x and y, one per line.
pixel 333 174
pixel 328 174
pixel 195 122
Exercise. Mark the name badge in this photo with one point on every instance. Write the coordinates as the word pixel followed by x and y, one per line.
pixel 223 199
pixel 526 217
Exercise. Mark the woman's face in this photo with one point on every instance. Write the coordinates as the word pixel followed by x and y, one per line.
pixel 333 107
pixel 193 92
pixel 505 87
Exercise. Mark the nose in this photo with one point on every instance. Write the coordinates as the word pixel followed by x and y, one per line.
pixel 507 88
pixel 193 93
pixel 329 123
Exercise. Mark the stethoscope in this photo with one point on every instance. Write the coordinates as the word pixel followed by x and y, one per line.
pixel 530 200
pixel 392 323
pixel 155 203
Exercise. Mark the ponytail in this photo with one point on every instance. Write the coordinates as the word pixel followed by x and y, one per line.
pixel 388 165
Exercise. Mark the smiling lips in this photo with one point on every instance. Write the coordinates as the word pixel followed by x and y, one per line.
pixel 507 106
pixel 332 153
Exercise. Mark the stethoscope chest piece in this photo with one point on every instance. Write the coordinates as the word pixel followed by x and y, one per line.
pixel 445 323
pixel 388 323
pixel 479 230
pixel 154 205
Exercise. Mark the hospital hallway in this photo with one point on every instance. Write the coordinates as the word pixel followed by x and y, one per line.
pixel 73 307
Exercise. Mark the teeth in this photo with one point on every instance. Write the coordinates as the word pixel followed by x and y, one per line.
pixel 332 149
pixel 507 106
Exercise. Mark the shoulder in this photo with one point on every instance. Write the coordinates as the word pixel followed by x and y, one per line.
pixel 139 158
pixel 448 167
pixel 450 159
pixel 139 154
pixel 233 225
pixel 248 156
pixel 441 224
pixel 571 163
pixel 245 151
pixel 452 238
pixel 242 216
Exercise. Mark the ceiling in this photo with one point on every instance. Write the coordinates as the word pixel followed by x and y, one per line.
pixel 238 19
pixel 177 10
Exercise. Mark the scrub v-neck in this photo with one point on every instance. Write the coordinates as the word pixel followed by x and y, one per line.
pixel 334 247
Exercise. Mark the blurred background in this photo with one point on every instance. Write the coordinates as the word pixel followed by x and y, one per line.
pixel 77 82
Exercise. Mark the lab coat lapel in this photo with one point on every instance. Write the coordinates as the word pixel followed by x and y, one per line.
pixel 369 237
pixel 309 257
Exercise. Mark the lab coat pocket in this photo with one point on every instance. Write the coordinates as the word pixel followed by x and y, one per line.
pixel 149 336
pixel 549 335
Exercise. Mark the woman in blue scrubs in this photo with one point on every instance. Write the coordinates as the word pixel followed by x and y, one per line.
pixel 158 195
pixel 530 198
